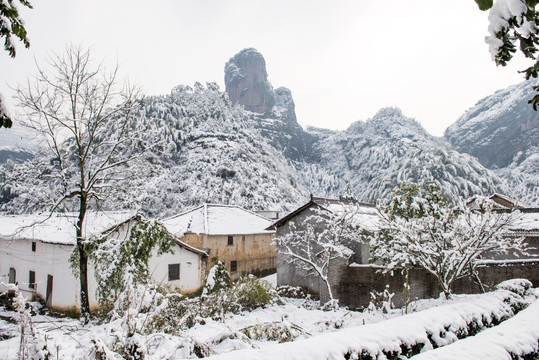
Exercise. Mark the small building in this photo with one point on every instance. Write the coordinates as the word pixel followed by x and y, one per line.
pixel 363 214
pixel 525 223
pixel 35 252
pixel 235 236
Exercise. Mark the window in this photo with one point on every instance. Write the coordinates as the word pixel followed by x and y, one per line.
pixel 233 266
pixel 173 272
pixel 12 275
pixel 32 279
pixel 230 240
pixel 33 246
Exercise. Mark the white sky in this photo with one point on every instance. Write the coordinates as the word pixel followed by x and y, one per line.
pixel 342 59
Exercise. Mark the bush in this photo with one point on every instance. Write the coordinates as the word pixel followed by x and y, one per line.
pixel 252 292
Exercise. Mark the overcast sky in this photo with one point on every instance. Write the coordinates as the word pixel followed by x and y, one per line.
pixel 343 60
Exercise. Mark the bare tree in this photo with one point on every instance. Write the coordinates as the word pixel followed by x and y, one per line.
pixel 84 114
pixel 323 236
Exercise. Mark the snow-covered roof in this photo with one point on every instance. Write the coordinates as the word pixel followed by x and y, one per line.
pixel 527 221
pixel 58 228
pixel 212 219
pixel 363 214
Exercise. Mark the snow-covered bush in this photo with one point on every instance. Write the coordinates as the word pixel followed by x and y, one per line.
pixel 280 331
pixel 31 345
pixel 177 313
pixel 381 301
pixel 136 306
pixel 251 292
pixel 218 279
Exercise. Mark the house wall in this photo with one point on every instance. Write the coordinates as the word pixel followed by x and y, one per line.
pixel 289 273
pixel 253 253
pixel 48 259
pixel 192 269
pixel 53 259
pixel 352 285
pixel 192 265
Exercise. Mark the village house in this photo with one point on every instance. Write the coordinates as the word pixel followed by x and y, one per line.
pixel 364 215
pixel 235 236
pixel 35 252
pixel 352 277
pixel 525 224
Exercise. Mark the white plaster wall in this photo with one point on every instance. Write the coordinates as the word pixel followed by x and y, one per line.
pixel 189 269
pixel 53 259
pixel 48 259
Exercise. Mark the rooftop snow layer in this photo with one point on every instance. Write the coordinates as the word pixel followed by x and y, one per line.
pixel 214 219
pixel 58 228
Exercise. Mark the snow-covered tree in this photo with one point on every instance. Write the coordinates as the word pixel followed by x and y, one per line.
pixel 323 236
pixel 421 228
pixel 114 254
pixel 11 24
pixel 512 23
pixel 84 115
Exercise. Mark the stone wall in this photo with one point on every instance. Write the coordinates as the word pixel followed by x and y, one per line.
pixel 352 284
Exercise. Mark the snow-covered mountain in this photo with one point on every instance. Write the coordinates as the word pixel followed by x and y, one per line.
pixel 502 131
pixel 210 149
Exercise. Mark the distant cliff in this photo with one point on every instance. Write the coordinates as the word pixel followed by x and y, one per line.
pixel 246 81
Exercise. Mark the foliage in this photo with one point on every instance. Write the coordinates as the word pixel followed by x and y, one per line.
pixel 280 331
pixel 126 249
pixel 420 228
pixel 177 312
pixel 381 301
pixel 12 24
pixel 252 292
pixel 323 236
pixel 218 279
pixel 514 23
pixel 5 120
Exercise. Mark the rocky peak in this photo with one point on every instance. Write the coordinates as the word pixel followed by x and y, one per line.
pixel 246 81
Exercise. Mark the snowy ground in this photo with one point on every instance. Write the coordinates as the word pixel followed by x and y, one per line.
pixel 319 333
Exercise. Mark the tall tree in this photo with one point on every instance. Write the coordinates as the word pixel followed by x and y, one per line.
pixel 84 114
pixel 420 228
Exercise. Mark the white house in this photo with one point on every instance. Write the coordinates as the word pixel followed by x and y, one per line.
pixel 35 252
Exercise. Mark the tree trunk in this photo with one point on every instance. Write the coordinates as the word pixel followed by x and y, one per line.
pixel 83 264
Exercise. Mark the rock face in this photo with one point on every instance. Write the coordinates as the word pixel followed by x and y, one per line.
pixel 246 81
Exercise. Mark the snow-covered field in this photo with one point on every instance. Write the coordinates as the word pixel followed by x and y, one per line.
pixel 318 334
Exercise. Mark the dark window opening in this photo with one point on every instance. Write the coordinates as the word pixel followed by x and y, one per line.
pixel 233 266
pixel 32 280
pixel 230 240
pixel 33 246
pixel 173 272
pixel 12 275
